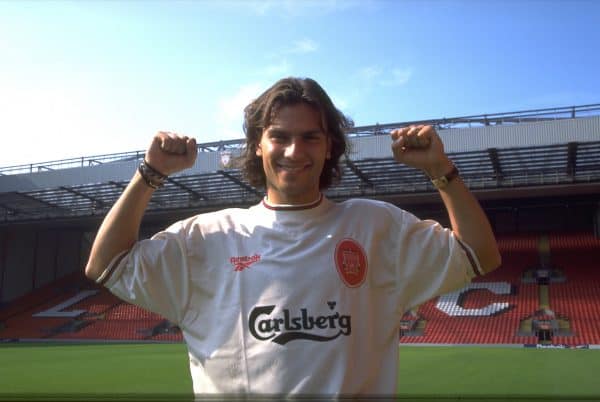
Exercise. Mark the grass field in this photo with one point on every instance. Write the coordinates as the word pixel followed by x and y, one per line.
pixel 160 372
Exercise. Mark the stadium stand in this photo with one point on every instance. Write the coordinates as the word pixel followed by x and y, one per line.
pixel 566 312
pixel 472 320
pixel 19 317
pixel 536 173
pixel 519 253
pixel 102 317
pixel 578 298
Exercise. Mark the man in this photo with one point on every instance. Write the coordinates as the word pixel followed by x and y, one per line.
pixel 298 294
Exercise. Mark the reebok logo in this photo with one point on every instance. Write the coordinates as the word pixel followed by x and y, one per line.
pixel 287 327
pixel 241 263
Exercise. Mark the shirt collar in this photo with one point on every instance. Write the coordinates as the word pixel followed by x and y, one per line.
pixel 292 207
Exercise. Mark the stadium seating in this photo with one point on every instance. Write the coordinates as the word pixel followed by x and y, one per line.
pixel 569 308
pixel 109 318
pixel 578 298
pixel 18 318
pixel 574 302
pixel 105 318
pixel 40 296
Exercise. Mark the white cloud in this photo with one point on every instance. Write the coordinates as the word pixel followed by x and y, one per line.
pixel 41 122
pixel 369 73
pixel 299 8
pixel 230 110
pixel 304 46
pixel 398 77
pixel 340 102
pixel 298 47
pixel 259 7
pixel 279 69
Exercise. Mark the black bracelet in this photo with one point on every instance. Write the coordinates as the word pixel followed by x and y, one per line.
pixel 151 176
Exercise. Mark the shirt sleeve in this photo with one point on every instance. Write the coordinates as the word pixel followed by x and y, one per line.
pixel 432 261
pixel 154 274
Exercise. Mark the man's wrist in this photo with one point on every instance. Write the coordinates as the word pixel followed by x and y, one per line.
pixel 152 177
pixel 441 180
pixel 441 168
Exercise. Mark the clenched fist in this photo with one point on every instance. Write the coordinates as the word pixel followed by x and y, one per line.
pixel 170 152
pixel 420 147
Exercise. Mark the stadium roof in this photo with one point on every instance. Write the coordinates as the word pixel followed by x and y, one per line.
pixel 567 166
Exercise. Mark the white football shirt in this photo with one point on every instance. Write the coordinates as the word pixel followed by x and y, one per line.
pixel 293 300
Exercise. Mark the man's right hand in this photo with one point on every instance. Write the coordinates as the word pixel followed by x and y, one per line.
pixel 171 153
pixel 168 153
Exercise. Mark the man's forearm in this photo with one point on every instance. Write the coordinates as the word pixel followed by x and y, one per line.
pixel 470 223
pixel 168 153
pixel 120 228
pixel 421 147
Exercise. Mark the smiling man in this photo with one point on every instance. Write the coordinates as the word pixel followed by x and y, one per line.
pixel 297 294
pixel 293 150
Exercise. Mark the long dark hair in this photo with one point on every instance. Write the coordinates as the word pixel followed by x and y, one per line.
pixel 285 92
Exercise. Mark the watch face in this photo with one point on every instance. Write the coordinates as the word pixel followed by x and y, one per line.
pixel 440 182
pixel 443 181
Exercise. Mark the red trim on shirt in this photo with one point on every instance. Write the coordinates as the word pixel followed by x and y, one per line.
pixel 112 269
pixel 471 259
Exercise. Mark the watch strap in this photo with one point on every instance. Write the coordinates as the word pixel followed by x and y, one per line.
pixel 442 181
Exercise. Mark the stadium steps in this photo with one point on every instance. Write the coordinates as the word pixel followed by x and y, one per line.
pixel 18 318
pixel 111 330
pixel 578 298
pixel 42 295
pixel 170 337
pixel 107 317
pixel 112 319
pixel 519 253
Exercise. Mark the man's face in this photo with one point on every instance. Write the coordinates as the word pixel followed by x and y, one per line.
pixel 293 150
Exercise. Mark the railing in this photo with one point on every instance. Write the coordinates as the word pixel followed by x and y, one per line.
pixel 71 163
pixel 494 119
pixel 534 115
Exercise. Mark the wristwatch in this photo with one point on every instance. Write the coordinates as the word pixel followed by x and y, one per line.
pixel 442 181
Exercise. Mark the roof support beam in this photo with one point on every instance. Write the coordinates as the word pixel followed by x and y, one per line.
pixel 33 198
pixel 195 194
pixel 493 154
pixel 240 183
pixel 123 187
pixel 571 158
pixel 98 202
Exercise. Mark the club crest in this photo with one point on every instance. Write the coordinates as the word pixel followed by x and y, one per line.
pixel 351 262
pixel 225 159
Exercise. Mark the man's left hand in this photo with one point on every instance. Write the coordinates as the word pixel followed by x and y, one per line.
pixel 420 147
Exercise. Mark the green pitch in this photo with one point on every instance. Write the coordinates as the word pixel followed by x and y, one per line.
pixel 94 372
pixel 160 372
pixel 498 373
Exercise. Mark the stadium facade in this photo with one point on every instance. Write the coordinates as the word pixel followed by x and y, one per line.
pixel 535 171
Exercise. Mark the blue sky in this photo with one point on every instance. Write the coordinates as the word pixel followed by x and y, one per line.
pixel 83 78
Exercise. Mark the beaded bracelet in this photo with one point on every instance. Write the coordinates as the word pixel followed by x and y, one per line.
pixel 151 176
